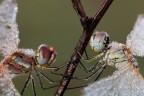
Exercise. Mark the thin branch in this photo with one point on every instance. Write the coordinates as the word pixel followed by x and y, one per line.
pixel 80 11
pixel 79 8
pixel 100 13
pixel 89 24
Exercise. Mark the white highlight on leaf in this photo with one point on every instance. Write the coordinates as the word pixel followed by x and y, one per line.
pixel 135 40
pixel 9 34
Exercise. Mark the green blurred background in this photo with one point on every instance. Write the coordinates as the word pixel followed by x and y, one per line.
pixel 54 22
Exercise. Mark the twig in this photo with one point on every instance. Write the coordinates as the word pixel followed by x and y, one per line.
pixel 89 24
pixel 79 8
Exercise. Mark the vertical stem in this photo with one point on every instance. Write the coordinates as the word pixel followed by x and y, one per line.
pixel 91 24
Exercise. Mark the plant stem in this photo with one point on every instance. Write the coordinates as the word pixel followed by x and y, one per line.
pixel 88 24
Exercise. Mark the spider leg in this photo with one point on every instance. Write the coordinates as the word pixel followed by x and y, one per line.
pixel 26 83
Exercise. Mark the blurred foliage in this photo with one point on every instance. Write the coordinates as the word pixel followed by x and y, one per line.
pixel 54 22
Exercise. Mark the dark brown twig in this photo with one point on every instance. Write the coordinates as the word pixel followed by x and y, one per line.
pixel 89 24
pixel 79 8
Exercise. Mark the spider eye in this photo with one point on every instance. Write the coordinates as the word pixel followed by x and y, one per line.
pixel 45 54
pixel 99 41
